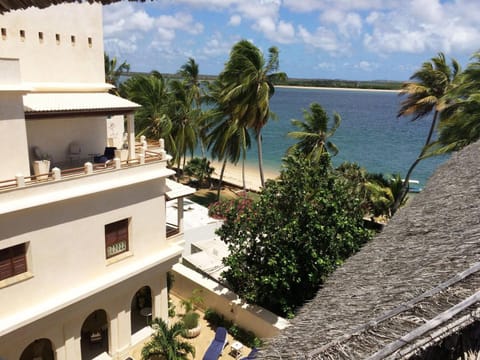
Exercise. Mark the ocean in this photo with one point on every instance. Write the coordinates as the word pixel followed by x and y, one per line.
pixel 370 133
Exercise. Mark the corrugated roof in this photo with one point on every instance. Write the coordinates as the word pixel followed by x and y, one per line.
pixel 44 103
pixel 176 190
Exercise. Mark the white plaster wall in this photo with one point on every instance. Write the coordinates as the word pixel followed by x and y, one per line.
pixel 260 321
pixel 54 135
pixel 13 137
pixel 48 61
pixel 63 328
pixel 67 241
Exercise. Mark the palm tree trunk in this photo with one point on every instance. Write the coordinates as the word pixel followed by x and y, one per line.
pixel 260 158
pixel 405 185
pixel 221 178
pixel 243 176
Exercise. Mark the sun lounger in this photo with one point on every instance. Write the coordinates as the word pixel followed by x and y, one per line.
pixel 251 354
pixel 217 345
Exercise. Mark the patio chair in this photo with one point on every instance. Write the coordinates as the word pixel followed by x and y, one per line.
pixel 217 345
pixel 251 355
pixel 74 151
pixel 108 154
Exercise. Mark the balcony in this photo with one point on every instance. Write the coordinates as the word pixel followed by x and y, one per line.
pixel 143 156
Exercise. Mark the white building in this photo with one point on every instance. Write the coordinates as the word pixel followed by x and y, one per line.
pixel 84 249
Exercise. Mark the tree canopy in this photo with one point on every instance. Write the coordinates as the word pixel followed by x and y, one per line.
pixel 301 228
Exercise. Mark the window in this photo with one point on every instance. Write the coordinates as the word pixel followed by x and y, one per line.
pixel 22 35
pixel 13 261
pixel 40 37
pixel 72 39
pixel 89 42
pixel 57 38
pixel 116 238
pixel 4 33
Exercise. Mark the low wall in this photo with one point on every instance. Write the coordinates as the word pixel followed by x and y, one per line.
pixel 260 321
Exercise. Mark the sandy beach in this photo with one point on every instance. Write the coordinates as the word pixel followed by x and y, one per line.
pixel 334 88
pixel 233 174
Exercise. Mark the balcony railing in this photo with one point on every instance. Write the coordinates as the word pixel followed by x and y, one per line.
pixel 143 156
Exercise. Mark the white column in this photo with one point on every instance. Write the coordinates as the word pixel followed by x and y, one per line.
pixel 131 136
pixel 180 214
pixel 160 297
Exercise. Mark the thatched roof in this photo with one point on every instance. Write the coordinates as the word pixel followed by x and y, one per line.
pixel 411 286
pixel 7 5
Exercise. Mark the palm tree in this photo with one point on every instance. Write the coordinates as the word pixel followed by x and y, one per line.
pixel 248 80
pixel 113 72
pixel 459 125
pixel 152 118
pixel 190 74
pixel 184 119
pixel 167 342
pixel 226 138
pixel 314 133
pixel 426 95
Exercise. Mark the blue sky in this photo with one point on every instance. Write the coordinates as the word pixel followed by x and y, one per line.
pixel 329 39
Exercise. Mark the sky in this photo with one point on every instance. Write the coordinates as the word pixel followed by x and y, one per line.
pixel 318 39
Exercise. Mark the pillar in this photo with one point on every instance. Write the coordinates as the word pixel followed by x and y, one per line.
pixel 180 214
pixel 131 136
pixel 160 296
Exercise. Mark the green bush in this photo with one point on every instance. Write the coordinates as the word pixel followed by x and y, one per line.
pixel 246 337
pixel 190 320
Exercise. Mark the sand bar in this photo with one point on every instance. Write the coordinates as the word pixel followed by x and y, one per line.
pixel 233 174
pixel 334 88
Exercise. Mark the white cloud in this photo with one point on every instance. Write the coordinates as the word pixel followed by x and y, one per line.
pixel 123 17
pixel 216 46
pixel 366 66
pixel 281 32
pixel 447 27
pixel 348 24
pixel 235 20
pixel 323 38
pixel 328 66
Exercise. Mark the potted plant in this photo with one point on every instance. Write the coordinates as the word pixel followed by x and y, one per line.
pixel 41 167
pixel 191 318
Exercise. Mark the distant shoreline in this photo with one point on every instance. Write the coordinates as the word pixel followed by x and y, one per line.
pixel 335 88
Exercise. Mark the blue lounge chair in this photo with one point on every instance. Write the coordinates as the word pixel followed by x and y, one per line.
pixel 251 355
pixel 217 345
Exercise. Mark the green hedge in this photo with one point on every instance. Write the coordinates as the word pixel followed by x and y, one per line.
pixel 246 337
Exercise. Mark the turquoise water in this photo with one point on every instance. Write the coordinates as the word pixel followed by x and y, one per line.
pixel 370 133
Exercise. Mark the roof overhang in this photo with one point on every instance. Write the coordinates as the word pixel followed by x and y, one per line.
pixel 41 105
pixel 176 190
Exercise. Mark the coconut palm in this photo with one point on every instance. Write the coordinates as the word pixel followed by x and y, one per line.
pixel 425 95
pixel 167 342
pixel 152 120
pixel 190 74
pixel 113 72
pixel 226 138
pixel 248 80
pixel 184 119
pixel 459 125
pixel 313 133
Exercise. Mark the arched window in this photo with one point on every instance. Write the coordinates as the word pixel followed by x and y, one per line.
pixel 141 309
pixel 94 335
pixel 39 349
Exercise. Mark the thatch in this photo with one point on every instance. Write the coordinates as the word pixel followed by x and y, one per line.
pixel 410 287
pixel 7 5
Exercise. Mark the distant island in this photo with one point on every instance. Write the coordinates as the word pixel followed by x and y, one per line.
pixel 330 83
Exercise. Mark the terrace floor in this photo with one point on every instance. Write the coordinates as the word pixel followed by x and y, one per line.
pixel 202 341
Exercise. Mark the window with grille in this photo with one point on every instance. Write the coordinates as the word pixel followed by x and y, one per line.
pixel 13 261
pixel 116 238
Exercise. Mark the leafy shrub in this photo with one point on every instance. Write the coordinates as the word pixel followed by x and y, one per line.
pixel 246 337
pixel 190 320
